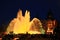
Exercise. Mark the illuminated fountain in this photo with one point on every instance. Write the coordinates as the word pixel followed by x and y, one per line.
pixel 35 26
pixel 22 24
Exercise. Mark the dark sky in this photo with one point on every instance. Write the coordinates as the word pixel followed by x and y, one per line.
pixel 37 8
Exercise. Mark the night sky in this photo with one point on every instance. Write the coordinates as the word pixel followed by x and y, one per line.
pixel 37 8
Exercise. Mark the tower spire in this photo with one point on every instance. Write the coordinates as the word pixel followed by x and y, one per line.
pixel 50 15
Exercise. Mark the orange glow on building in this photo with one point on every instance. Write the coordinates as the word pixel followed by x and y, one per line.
pixel 51 25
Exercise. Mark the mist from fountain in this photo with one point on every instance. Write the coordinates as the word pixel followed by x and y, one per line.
pixel 22 24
